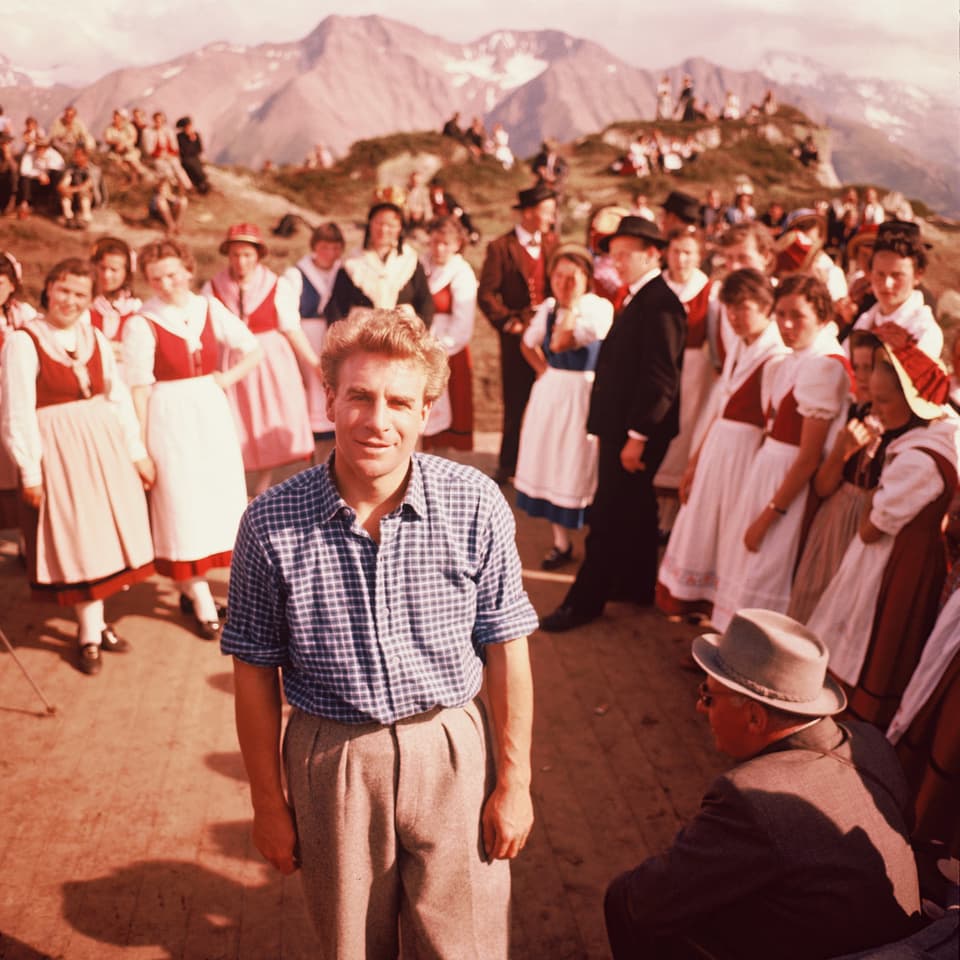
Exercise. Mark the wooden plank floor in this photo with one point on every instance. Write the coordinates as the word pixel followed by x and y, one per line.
pixel 125 827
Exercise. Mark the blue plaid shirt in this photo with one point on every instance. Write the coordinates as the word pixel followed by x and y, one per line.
pixel 367 631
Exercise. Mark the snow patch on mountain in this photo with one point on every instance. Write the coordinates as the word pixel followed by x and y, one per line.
pixel 515 71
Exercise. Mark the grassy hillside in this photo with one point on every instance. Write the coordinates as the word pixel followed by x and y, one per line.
pixel 344 194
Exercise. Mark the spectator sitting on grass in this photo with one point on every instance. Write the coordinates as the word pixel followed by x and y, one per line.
pixel 77 191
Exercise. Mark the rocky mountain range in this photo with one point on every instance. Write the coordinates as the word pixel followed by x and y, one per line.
pixel 355 77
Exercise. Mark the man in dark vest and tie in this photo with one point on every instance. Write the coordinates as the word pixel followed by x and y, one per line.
pixel 513 283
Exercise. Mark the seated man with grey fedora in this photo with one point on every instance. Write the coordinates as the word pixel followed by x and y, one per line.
pixel 801 850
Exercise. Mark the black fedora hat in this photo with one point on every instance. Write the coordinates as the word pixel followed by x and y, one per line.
pixel 682 205
pixel 534 195
pixel 638 227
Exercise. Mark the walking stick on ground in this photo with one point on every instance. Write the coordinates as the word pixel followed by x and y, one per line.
pixel 50 707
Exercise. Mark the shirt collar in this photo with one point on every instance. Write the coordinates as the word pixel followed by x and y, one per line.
pixel 527 238
pixel 643 281
pixel 331 503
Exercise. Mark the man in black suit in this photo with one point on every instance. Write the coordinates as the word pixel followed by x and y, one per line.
pixel 635 413
pixel 513 283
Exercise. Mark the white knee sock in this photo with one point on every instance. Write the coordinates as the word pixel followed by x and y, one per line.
pixel 91 620
pixel 198 590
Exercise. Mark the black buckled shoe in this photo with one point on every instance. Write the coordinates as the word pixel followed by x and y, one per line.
pixel 208 629
pixel 111 643
pixel 90 662
pixel 557 558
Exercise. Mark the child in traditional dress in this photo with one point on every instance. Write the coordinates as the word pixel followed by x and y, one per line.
pixel 453 285
pixel 711 482
pixel 806 401
pixel 269 404
pixel 172 350
pixel 879 609
pixel 114 302
pixel 844 480
pixel 325 294
pixel 70 427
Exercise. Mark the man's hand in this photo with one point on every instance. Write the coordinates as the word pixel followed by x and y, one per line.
pixel 507 820
pixel 631 455
pixel 275 836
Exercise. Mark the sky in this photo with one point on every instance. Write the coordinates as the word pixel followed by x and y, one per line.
pixel 916 41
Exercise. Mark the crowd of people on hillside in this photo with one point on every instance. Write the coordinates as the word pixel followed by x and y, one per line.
pixel 687 108
pixel 479 142
pixel 763 395
pixel 60 171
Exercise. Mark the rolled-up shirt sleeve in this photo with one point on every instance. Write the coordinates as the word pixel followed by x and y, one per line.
pixel 504 611
pixel 255 631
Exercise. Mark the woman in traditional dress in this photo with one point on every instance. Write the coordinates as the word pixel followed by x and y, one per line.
pixel 711 482
pixel 114 302
pixel 14 313
pixel 70 427
pixel 806 399
pixel 685 278
pixel 556 475
pixel 879 609
pixel 269 403
pixel 843 482
pixel 453 285
pixel 171 351
pixel 387 272
pixel 325 294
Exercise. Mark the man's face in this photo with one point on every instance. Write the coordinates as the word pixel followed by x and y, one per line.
pixel 540 217
pixel 632 258
pixel 728 716
pixel 378 413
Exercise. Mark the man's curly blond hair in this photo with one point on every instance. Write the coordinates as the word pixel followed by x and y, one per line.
pixel 397 333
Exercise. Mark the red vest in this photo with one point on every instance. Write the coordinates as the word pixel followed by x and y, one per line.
pixel 697 318
pixel 535 273
pixel 787 421
pixel 443 300
pixel 746 404
pixel 57 383
pixel 264 318
pixel 173 359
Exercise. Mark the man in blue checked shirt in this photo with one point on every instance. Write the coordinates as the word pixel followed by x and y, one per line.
pixel 379 586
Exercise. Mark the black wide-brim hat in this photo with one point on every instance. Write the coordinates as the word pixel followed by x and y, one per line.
pixel 638 227
pixel 682 205
pixel 533 196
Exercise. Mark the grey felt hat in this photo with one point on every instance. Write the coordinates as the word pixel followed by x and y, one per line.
pixel 773 659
